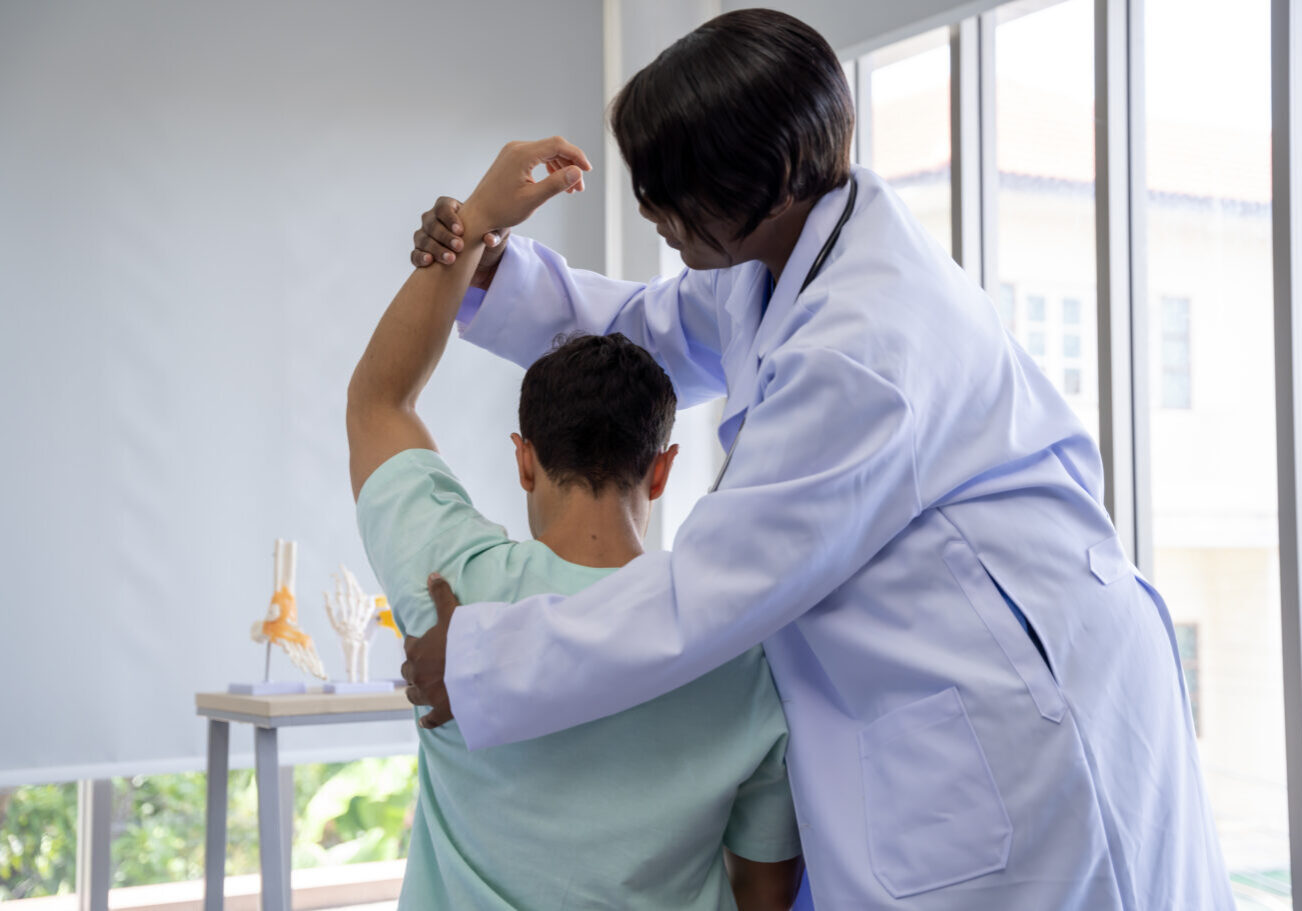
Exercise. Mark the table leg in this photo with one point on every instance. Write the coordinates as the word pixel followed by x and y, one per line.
pixel 287 820
pixel 94 843
pixel 214 855
pixel 271 844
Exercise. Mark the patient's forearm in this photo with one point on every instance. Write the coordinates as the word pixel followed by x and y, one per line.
pixel 412 335
pixel 396 365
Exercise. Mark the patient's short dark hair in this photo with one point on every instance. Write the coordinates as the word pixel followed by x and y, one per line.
pixel 748 109
pixel 597 410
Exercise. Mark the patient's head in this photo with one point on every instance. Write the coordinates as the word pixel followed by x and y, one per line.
pixel 595 416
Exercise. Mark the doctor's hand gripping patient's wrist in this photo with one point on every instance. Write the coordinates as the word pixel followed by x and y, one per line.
pixel 438 240
pixel 427 658
pixel 512 195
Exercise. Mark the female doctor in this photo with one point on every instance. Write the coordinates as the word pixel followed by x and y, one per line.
pixel 984 697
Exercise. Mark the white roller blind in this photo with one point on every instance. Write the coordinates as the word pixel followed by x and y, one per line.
pixel 203 210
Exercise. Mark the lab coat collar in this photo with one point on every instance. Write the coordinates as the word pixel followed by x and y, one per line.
pixel 741 361
pixel 819 225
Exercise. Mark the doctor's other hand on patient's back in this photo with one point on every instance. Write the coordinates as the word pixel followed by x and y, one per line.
pixel 506 195
pixel 427 657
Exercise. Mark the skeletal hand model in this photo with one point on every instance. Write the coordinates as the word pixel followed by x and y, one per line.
pixel 281 624
pixel 350 611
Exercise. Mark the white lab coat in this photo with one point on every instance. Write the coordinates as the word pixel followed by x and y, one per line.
pixel 902 460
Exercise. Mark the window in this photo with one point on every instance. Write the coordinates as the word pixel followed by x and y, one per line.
pixel 1186 639
pixel 1070 311
pixel 1007 305
pixel 1212 464
pixel 1044 154
pixel 1071 381
pixel 344 813
pixel 1175 352
pixel 903 135
pixel 38 841
pixel 1035 308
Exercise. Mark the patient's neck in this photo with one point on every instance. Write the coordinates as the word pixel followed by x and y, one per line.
pixel 603 530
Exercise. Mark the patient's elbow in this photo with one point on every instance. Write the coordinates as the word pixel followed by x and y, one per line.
pixel 360 401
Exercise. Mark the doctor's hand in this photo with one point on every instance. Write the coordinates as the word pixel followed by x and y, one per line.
pixel 427 658
pixel 439 241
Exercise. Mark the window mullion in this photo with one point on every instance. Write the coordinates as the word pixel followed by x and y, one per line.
pixel 1122 390
pixel 1286 208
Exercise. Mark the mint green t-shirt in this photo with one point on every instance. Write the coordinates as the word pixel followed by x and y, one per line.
pixel 629 811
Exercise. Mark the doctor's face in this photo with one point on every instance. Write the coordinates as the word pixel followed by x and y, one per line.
pixel 691 244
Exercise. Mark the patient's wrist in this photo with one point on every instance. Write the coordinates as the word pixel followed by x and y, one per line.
pixel 474 225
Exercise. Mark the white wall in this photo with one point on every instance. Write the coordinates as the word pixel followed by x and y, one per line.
pixel 203 210
pixel 855 27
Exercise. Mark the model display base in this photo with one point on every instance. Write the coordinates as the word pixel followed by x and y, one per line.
pixel 368 686
pixel 267 688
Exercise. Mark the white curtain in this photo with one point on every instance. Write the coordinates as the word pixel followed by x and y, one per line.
pixel 203 210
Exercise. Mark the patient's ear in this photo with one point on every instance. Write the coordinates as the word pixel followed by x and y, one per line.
pixel 525 461
pixel 660 471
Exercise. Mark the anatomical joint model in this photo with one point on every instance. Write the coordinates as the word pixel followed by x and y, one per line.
pixel 281 623
pixel 384 616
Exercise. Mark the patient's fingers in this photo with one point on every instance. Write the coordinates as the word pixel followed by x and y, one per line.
pixel 555 147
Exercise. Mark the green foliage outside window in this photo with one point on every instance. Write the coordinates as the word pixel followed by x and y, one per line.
pixel 344 813
pixel 38 841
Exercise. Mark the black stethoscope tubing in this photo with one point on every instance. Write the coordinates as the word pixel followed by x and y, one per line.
pixel 831 238
pixel 814 269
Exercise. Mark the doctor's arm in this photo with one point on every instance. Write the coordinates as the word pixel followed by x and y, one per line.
pixel 530 295
pixel 821 479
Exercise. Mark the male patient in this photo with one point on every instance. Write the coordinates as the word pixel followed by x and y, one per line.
pixel 632 811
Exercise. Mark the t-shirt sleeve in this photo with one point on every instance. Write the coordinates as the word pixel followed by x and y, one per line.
pixel 763 825
pixel 416 518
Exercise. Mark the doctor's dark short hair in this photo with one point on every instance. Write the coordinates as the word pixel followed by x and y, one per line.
pixel 731 119
pixel 597 409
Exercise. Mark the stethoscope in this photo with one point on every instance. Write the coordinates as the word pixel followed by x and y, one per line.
pixel 814 269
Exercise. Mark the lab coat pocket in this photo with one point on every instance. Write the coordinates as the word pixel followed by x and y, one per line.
pixel 935 816
pixel 983 594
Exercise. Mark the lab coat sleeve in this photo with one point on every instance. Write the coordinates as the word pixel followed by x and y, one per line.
pixel 822 478
pixel 536 298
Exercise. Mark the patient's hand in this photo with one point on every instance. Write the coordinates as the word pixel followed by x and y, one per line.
pixel 427 658
pixel 506 196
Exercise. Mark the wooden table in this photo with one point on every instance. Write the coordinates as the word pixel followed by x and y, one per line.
pixel 268 714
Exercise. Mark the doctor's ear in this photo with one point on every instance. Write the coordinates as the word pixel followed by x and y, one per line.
pixel 660 471
pixel 525 462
